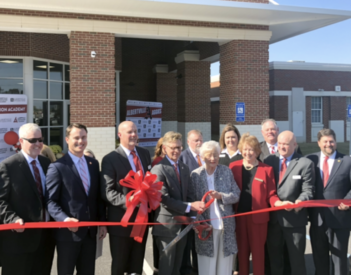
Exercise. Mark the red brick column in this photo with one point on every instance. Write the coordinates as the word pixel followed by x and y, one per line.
pixel 244 77
pixel 93 92
pixel 166 92
pixel 92 79
pixel 193 94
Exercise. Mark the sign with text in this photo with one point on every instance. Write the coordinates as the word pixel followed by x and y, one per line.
pixel 147 116
pixel 240 111
pixel 13 114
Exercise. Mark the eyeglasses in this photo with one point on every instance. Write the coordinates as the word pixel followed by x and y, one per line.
pixel 34 140
pixel 178 148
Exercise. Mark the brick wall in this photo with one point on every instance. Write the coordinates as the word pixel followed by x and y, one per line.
pixel 48 46
pixel 193 91
pixel 309 80
pixel 244 71
pixel 92 79
pixel 308 119
pixel 278 108
pixel 167 94
pixel 215 117
pixel 83 16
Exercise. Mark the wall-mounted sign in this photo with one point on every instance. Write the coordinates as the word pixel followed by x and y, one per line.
pixel 240 111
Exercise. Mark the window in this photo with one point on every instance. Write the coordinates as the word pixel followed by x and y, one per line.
pixel 348 102
pixel 11 76
pixel 50 90
pixel 316 110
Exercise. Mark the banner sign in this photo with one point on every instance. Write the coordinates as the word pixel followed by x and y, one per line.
pixel 147 116
pixel 13 114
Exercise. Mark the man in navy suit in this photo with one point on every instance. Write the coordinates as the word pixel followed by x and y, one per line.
pixel 191 157
pixel 73 195
pixel 330 227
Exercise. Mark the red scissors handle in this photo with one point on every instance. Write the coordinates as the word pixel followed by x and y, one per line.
pixel 202 227
pixel 207 205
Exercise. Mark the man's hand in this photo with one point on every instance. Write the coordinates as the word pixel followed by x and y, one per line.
pixel 20 222
pixel 299 208
pixel 198 206
pixel 102 232
pixel 281 203
pixel 343 207
pixel 216 195
pixel 73 229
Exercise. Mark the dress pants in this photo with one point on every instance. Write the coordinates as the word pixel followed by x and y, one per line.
pixel 189 252
pixel 171 260
pixel 335 241
pixel 79 255
pixel 38 262
pixel 251 238
pixel 218 264
pixel 127 254
pixel 295 240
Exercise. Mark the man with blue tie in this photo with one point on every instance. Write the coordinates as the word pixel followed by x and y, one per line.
pixel 73 195
pixel 330 227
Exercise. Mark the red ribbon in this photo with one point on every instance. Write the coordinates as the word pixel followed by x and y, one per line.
pixel 31 225
pixel 146 193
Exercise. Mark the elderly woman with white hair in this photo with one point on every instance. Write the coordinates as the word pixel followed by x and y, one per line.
pixel 215 254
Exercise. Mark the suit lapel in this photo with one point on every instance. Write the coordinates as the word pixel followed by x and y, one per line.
pixel 124 160
pixel 238 174
pixel 73 167
pixel 291 166
pixel 258 179
pixel 91 173
pixel 170 170
pixel 183 179
pixel 24 166
pixel 143 160
pixel 336 166
pixel 192 159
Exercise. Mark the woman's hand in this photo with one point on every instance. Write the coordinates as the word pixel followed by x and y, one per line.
pixel 214 194
pixel 281 203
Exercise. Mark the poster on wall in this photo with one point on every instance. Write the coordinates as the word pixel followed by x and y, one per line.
pixel 147 116
pixel 13 114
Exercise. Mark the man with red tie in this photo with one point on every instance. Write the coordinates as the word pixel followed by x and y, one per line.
pixel 294 176
pixel 22 190
pixel 127 254
pixel 330 227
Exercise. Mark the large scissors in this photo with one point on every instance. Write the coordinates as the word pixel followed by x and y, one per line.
pixel 191 221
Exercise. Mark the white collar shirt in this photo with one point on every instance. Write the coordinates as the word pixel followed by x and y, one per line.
pixel 76 160
pixel 130 157
pixel 270 147
pixel 195 156
pixel 215 215
pixel 225 151
pixel 330 163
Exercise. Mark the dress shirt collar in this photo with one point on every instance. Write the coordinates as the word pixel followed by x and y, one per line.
pixel 171 161
pixel 225 151
pixel 288 159
pixel 274 145
pixel 75 159
pixel 193 153
pixel 28 158
pixel 127 151
pixel 332 157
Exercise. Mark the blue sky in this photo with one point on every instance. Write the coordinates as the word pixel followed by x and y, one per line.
pixel 331 44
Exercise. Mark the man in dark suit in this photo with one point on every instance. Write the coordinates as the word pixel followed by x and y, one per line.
pixel 22 187
pixel 270 132
pixel 176 201
pixel 73 195
pixel 127 254
pixel 191 157
pixel 330 227
pixel 294 176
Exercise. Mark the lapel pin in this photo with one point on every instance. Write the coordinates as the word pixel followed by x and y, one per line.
pixel 339 160
pixel 220 178
pixel 89 162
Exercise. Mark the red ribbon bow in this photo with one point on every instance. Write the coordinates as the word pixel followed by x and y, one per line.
pixel 146 192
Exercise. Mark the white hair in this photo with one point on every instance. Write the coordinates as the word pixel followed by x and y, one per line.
pixel 209 147
pixel 28 128
pixel 269 120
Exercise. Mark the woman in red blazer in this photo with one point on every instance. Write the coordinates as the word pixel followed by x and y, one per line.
pixel 258 191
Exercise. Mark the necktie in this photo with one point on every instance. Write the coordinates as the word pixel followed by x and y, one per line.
pixel 199 160
pixel 137 162
pixel 282 170
pixel 39 186
pixel 272 150
pixel 177 172
pixel 84 174
pixel 325 171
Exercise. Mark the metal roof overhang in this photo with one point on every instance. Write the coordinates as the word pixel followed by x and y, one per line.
pixel 283 21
